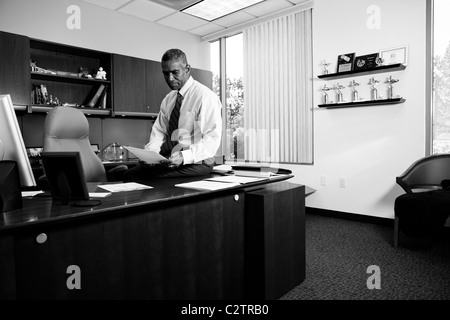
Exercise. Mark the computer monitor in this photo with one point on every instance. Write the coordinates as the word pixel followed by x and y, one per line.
pixel 11 142
pixel 65 174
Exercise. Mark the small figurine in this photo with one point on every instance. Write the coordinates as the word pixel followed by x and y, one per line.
pixel 390 82
pixel 325 65
pixel 84 73
pixel 354 84
pixel 101 74
pixel 325 94
pixel 339 92
pixel 373 90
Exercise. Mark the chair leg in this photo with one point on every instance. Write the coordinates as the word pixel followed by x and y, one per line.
pixel 396 231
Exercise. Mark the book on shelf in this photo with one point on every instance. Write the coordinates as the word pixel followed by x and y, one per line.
pixel 93 101
pixel 102 103
pixel 258 171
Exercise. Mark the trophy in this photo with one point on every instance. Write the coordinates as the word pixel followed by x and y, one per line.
pixel 325 94
pixel 373 89
pixel 353 85
pixel 339 92
pixel 390 82
pixel 325 65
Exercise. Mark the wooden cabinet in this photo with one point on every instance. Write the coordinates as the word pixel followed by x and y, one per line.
pixel 15 67
pixel 274 240
pixel 191 249
pixel 157 87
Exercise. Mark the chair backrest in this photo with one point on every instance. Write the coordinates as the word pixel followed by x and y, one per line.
pixel 426 173
pixel 67 129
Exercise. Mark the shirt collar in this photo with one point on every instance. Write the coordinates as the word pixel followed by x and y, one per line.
pixel 186 86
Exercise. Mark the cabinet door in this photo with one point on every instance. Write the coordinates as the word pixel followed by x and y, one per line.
pixel 202 76
pixel 129 84
pixel 7 268
pixel 44 255
pixel 157 87
pixel 15 68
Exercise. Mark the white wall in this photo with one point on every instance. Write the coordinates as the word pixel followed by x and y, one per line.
pixel 100 29
pixel 369 146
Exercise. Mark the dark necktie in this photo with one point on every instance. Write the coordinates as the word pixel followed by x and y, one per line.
pixel 168 145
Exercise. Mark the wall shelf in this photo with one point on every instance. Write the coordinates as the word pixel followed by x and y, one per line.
pixel 362 103
pixel 346 74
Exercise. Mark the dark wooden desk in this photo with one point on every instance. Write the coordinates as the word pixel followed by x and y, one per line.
pixel 161 243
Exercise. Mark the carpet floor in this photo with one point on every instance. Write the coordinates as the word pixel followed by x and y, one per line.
pixel 340 251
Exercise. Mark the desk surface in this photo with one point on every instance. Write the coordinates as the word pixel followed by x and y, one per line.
pixel 42 210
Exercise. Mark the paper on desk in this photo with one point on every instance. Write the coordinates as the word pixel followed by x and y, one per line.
pixel 146 155
pixel 99 194
pixel 206 185
pixel 128 186
pixel 236 179
pixel 30 193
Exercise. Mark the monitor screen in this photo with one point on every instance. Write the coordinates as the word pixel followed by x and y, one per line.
pixel 65 175
pixel 11 142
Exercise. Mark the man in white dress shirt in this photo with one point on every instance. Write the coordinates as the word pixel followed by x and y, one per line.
pixel 188 128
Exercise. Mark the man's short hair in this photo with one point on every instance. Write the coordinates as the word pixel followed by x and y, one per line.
pixel 174 54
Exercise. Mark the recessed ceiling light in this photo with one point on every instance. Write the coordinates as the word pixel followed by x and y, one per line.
pixel 212 9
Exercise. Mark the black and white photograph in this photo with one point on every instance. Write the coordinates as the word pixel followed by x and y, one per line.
pixel 216 158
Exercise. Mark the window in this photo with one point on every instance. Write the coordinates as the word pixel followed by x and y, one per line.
pixel 267 91
pixel 441 78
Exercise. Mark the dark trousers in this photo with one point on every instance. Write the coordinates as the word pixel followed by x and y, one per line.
pixel 142 172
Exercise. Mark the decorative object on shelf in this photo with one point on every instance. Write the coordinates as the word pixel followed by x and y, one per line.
pixel 326 99
pixel 355 95
pixel 394 55
pixel 35 68
pixel 390 91
pixel 367 61
pixel 101 74
pixel 84 73
pixel 345 62
pixel 325 65
pixel 339 96
pixel 373 89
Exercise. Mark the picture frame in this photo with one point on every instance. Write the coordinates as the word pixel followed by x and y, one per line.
pixel 394 55
pixel 345 62
pixel 368 61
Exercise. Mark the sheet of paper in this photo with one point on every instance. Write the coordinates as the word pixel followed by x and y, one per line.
pixel 146 155
pixel 223 168
pixel 236 179
pixel 128 186
pixel 206 185
pixel 99 194
pixel 31 193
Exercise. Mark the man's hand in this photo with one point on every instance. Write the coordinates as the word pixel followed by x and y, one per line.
pixel 176 159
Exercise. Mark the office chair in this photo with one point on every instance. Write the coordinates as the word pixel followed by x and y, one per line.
pixel 426 205
pixel 67 129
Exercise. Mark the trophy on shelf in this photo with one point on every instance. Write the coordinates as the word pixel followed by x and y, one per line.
pixel 390 83
pixel 339 96
pixel 353 85
pixel 373 89
pixel 325 65
pixel 326 99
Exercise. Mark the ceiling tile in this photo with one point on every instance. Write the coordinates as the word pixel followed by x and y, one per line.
pixel 176 4
pixel 182 21
pixel 268 7
pixel 206 29
pixel 109 4
pixel 234 19
pixel 146 10
pixel 298 1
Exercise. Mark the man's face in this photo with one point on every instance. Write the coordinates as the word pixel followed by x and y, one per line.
pixel 175 73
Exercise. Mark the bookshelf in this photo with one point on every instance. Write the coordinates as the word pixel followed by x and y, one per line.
pixel 61 70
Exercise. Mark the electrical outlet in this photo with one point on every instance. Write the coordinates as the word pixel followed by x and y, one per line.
pixel 323 181
pixel 342 182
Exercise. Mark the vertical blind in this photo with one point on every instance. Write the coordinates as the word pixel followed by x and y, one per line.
pixel 278 90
